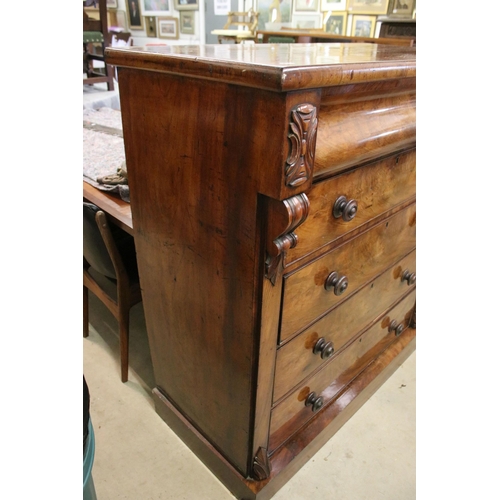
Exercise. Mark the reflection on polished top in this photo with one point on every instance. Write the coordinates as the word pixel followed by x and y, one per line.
pixel 275 66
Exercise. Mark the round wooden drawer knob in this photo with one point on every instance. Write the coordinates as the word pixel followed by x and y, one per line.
pixel 316 402
pixel 324 348
pixel 397 329
pixel 336 283
pixel 410 278
pixel 345 209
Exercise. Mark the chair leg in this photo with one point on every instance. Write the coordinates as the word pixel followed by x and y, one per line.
pixel 85 311
pixel 123 320
pixel 110 73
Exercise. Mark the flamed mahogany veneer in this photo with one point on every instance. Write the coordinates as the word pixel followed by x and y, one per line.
pixel 273 195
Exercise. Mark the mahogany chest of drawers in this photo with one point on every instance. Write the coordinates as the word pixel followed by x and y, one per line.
pixel 273 195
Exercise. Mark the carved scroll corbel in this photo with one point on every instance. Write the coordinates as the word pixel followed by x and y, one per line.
pixel 284 217
pixel 302 142
pixel 413 319
pixel 261 465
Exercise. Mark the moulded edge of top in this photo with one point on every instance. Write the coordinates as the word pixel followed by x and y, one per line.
pixel 266 76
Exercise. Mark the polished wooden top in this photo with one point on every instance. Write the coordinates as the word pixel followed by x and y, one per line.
pixel 118 210
pixel 279 67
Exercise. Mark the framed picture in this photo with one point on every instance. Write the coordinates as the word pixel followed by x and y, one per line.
pixel 368 6
pixel 134 15
pixel 156 7
pixel 121 19
pixel 110 4
pixel 307 21
pixel 335 23
pixel 327 5
pixel 401 8
pixel 187 22
pixel 150 26
pixel 186 4
pixel 168 27
pixel 363 26
pixel 306 5
pixel 281 12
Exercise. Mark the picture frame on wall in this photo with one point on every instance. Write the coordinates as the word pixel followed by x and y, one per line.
pixel 94 4
pixel 307 21
pixel 306 5
pixel 168 27
pixel 150 26
pixel 328 5
pixel 363 26
pixel 134 15
pixel 121 19
pixel 401 8
pixel 379 7
pixel 186 5
pixel 187 22
pixel 335 23
pixel 157 7
pixel 284 12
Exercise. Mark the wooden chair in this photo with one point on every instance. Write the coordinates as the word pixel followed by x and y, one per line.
pixel 95 39
pixel 110 272
pixel 248 20
pixel 235 20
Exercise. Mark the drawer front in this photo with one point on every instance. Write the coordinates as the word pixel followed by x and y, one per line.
pixel 292 413
pixel 364 129
pixel 305 353
pixel 345 202
pixel 356 262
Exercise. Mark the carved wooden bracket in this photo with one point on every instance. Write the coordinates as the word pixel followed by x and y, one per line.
pixel 261 465
pixel 413 319
pixel 284 217
pixel 302 140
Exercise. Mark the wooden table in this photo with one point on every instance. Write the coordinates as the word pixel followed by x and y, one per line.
pixel 117 210
pixel 237 35
pixel 318 36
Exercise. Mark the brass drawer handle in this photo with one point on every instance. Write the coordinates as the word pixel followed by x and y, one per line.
pixel 336 283
pixel 324 348
pixel 410 278
pixel 345 209
pixel 315 401
pixel 397 329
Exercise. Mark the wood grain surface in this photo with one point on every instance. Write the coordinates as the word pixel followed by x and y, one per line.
pixel 292 413
pixel 360 260
pixel 295 360
pixel 376 188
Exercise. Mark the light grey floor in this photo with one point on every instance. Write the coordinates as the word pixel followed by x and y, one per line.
pixel 138 457
pixel 97 96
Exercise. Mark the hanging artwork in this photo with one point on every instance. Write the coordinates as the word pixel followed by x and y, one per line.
pixel 363 26
pixel 186 4
pixel 335 23
pixel 187 22
pixel 156 7
pixel 274 11
pixel 168 27
pixel 367 6
pixel 306 5
pixel 327 5
pixel 134 14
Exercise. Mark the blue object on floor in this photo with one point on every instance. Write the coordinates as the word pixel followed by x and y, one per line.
pixel 88 460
